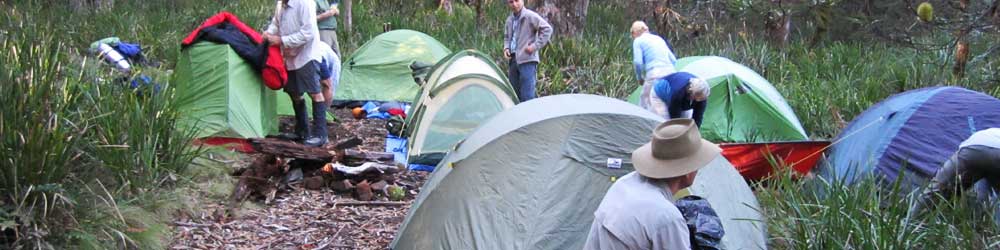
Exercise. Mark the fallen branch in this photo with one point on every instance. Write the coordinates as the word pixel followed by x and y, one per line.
pixel 370 203
pixel 368 167
pixel 190 224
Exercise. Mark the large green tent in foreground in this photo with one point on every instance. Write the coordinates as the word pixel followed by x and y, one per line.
pixel 380 69
pixel 221 95
pixel 743 106
pixel 532 176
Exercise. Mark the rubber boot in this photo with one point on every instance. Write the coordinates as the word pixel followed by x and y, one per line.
pixel 319 134
pixel 301 119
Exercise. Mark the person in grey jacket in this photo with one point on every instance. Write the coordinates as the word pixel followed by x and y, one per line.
pixel 524 35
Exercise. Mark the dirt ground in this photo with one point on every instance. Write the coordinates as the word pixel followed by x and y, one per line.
pixel 298 218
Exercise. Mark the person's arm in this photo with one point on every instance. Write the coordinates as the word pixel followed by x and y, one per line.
pixel 670 52
pixel 272 27
pixel 507 32
pixel 306 16
pixel 328 13
pixel 544 33
pixel 670 233
pixel 676 104
pixel 699 111
pixel 637 60
pixel 942 185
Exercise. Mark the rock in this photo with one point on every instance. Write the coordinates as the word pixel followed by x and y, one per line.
pixel 380 187
pixel 364 191
pixel 293 176
pixel 313 183
pixel 342 185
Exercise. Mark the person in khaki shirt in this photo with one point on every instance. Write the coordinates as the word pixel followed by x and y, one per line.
pixel 326 20
pixel 638 211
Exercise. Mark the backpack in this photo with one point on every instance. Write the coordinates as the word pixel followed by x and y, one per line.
pixel 702 221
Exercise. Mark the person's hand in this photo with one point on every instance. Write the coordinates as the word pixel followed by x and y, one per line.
pixel 272 39
pixel 530 49
pixel 641 82
pixel 506 53
pixel 333 10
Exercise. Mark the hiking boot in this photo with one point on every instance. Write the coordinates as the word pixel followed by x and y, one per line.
pixel 316 142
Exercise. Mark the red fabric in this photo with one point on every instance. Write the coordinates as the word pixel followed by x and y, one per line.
pixel 238 144
pixel 274 73
pixel 398 112
pixel 752 159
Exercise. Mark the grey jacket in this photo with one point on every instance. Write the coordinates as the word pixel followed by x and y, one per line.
pixel 532 29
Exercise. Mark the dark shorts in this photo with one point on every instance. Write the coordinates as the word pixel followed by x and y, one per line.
pixel 304 80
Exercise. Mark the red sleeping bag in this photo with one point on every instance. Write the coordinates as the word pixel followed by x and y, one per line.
pixel 272 69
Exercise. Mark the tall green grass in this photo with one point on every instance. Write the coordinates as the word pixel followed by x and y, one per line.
pixel 829 214
pixel 83 154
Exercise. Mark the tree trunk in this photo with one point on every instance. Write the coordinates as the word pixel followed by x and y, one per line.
pixel 779 26
pixel 445 5
pixel 348 23
pixel 480 15
pixel 568 17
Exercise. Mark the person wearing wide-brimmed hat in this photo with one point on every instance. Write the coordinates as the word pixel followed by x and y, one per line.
pixel 638 210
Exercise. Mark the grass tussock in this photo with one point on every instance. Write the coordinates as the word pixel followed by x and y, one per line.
pixel 829 214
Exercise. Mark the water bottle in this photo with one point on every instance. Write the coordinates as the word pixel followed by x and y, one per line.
pixel 113 57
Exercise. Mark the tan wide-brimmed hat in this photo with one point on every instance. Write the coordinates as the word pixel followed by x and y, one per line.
pixel 676 149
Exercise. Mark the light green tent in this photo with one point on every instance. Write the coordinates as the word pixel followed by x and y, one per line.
pixel 532 176
pixel 743 106
pixel 221 95
pixel 462 91
pixel 380 69
pixel 284 105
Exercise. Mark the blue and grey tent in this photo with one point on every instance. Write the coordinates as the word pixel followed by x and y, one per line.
pixel 913 132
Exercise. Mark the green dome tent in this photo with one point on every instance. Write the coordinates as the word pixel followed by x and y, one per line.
pixel 221 95
pixel 462 91
pixel 380 69
pixel 743 106
pixel 532 176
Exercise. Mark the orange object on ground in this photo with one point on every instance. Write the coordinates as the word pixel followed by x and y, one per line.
pixel 752 159
pixel 358 113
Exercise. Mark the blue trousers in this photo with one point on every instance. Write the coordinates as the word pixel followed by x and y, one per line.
pixel 522 78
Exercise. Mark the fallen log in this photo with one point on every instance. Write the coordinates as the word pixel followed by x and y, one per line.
pixel 339 153
pixel 289 149
pixel 257 178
